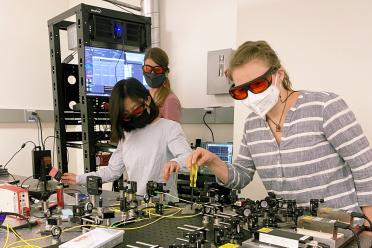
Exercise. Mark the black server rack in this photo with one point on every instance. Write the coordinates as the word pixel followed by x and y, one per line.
pixel 95 27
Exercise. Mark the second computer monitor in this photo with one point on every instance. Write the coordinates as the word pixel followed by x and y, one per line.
pixel 223 150
pixel 104 67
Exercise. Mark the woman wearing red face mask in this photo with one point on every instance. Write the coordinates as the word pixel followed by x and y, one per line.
pixel 303 144
pixel 148 147
pixel 155 71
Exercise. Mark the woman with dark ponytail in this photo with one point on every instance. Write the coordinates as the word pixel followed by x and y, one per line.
pixel 148 147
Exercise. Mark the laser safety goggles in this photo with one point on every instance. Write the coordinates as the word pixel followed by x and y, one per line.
pixel 154 69
pixel 135 113
pixel 256 86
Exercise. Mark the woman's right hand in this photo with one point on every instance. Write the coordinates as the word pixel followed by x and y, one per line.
pixel 201 156
pixel 69 178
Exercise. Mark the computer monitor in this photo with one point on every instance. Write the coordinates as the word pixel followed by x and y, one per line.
pixel 104 67
pixel 223 150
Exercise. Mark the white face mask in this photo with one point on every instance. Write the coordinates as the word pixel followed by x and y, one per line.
pixel 263 102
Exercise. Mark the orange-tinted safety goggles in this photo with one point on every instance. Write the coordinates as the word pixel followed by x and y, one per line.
pixel 155 69
pixel 255 86
pixel 135 113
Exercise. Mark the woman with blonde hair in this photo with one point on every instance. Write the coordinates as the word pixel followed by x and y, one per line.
pixel 303 144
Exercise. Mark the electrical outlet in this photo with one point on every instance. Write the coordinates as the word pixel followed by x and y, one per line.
pixel 28 115
pixel 209 110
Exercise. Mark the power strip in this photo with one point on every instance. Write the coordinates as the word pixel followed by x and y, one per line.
pixel 282 238
pixel 3 172
pixel 96 238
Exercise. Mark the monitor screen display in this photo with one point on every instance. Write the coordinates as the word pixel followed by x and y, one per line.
pixel 104 67
pixel 223 150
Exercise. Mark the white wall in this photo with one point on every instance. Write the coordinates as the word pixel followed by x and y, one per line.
pixel 324 45
pixel 25 63
pixel 189 29
pixel 25 73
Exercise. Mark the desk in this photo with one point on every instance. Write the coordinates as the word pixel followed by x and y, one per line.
pixel 163 232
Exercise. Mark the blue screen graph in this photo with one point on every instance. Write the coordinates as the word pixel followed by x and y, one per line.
pixel 223 150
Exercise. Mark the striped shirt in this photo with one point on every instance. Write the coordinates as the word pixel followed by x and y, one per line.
pixel 323 154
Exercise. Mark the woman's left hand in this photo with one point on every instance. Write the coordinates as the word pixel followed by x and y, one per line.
pixel 69 178
pixel 169 168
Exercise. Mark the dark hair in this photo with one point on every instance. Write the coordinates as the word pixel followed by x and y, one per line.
pixel 160 57
pixel 135 90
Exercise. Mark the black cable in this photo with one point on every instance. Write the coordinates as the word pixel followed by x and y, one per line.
pixel 356 237
pixel 18 215
pixel 50 136
pixel 67 190
pixel 192 195
pixel 205 123
pixel 12 176
pixel 41 128
pixel 123 8
pixel 68 156
pixel 41 131
pixel 54 145
pixel 348 227
pixel 38 133
pixel 39 217
pixel 128 11
pixel 116 76
pixel 362 216
pixel 25 181
pixel 54 148
pixel 368 220
pixel 33 114
pixel 69 58
pixel 22 146
pixel 37 186
pixel 29 141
